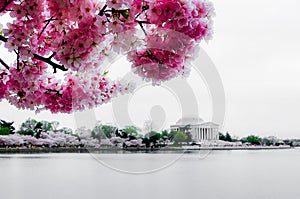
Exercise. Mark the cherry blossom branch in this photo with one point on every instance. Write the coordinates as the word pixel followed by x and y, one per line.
pixel 48 22
pixel 50 62
pixel 6 3
pixel 101 13
pixel 141 25
pixel 144 8
pixel 4 39
pixel 54 91
pixel 4 64
pixel 151 56
pixel 18 58
pixel 38 57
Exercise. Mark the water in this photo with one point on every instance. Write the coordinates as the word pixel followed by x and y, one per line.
pixel 222 174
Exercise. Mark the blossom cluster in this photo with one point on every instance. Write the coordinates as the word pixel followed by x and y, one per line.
pixel 60 139
pixel 77 92
pixel 3 85
pixel 76 36
pixel 50 139
pixel 176 29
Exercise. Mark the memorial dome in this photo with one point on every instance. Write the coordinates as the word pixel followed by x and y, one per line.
pixel 189 120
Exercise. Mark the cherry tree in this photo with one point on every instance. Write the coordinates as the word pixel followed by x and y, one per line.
pixel 74 37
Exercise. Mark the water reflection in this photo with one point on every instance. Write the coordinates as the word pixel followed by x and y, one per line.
pixel 223 174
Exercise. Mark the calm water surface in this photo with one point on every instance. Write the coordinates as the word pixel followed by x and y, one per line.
pixel 222 174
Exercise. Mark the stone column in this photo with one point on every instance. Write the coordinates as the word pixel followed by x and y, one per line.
pixel 207 133
pixel 216 134
pixel 201 133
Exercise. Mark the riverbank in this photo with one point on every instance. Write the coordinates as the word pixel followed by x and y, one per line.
pixel 118 150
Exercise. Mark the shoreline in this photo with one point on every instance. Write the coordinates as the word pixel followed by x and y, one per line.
pixel 146 150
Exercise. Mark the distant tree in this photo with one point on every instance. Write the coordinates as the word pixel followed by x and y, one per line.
pixel 65 130
pixel 189 137
pixel 185 129
pixel 46 126
pixel 228 137
pixel 146 141
pixel 4 131
pixel 266 141
pixel 27 132
pixel 235 139
pixel 103 131
pixel 35 128
pixel 54 125
pixel 164 135
pixel 222 136
pixel 109 130
pixel 131 130
pixel 9 125
pixel 180 137
pixel 38 129
pixel 254 139
pixel 122 134
pixel 154 137
pixel 288 142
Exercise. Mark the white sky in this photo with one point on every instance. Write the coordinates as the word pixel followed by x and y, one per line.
pixel 256 51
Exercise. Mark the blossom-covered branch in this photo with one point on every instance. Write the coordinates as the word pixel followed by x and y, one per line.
pixel 48 61
pixel 4 4
pixel 41 58
pixel 80 34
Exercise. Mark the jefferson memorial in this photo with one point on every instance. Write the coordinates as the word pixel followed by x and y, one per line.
pixel 200 130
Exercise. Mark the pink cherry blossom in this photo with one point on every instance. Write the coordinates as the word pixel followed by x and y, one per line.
pixel 75 37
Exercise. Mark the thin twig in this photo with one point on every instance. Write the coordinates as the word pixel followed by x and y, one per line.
pixel 18 58
pixel 4 64
pixel 141 25
pixel 143 10
pixel 48 22
pixel 54 91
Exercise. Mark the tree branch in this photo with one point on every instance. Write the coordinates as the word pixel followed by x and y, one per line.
pixel 141 25
pixel 50 62
pixel 18 58
pixel 48 91
pixel 2 38
pixel 48 22
pixel 38 57
pixel 6 3
pixel 144 8
pixel 101 13
pixel 4 64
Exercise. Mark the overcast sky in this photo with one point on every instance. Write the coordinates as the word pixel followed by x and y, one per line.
pixel 256 52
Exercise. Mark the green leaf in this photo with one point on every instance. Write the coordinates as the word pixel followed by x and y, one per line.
pixel 105 73
pixel 124 13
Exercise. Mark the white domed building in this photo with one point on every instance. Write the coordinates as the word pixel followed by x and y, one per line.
pixel 199 129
